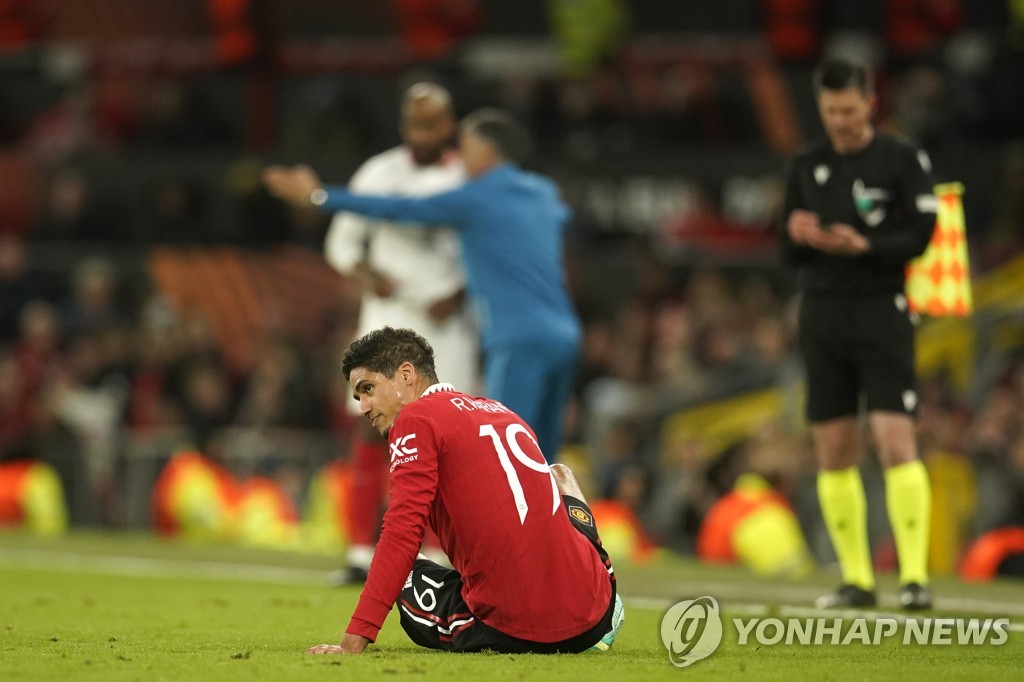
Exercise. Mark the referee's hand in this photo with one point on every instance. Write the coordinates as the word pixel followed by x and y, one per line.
pixel 804 227
pixel 844 240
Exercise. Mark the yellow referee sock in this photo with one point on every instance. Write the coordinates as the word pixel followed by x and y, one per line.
pixel 908 494
pixel 841 495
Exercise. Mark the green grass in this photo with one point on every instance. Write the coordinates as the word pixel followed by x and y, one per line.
pixel 128 607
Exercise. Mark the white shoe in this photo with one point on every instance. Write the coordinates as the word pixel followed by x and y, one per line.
pixel 618 618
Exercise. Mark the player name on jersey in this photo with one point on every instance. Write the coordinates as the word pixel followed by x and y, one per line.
pixel 470 405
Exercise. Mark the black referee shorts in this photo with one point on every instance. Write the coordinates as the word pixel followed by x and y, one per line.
pixel 434 615
pixel 857 346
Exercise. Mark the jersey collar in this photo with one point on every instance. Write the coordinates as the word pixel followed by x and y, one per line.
pixel 437 388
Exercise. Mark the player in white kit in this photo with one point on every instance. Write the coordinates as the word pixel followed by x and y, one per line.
pixel 410 278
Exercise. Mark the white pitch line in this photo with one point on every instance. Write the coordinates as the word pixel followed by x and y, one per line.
pixel 807 595
pixel 757 609
pixel 150 567
pixel 218 570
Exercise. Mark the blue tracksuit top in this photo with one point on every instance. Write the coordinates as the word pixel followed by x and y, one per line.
pixel 510 223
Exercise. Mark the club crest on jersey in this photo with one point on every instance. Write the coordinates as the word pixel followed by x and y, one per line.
pixel 821 174
pixel 581 515
pixel 870 203
pixel 402 450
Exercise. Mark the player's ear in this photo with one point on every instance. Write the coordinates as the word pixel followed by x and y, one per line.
pixel 406 372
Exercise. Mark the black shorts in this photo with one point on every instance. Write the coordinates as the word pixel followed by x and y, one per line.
pixel 857 346
pixel 435 616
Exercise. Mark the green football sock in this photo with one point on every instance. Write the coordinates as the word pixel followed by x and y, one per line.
pixel 908 494
pixel 841 495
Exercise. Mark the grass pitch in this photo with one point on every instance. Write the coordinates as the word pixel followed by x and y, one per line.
pixel 129 607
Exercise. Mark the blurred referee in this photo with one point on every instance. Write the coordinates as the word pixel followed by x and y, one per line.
pixel 859 206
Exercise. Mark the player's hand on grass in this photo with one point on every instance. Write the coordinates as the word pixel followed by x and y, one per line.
pixel 350 644
pixel 294 184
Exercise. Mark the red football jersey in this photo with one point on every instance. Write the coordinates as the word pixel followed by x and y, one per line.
pixel 471 468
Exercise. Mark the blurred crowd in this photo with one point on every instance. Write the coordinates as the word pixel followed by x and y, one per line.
pixel 97 366
pixel 92 375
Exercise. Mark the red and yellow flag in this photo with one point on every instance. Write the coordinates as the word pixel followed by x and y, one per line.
pixel 939 281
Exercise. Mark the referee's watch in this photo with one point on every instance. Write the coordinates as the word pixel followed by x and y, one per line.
pixel 318 197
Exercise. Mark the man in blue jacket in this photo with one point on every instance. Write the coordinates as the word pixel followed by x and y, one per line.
pixel 510 223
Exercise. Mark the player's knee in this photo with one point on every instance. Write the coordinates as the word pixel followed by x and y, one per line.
pixel 562 473
pixel 566 481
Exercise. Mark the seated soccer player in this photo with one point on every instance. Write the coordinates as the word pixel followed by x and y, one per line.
pixel 529 574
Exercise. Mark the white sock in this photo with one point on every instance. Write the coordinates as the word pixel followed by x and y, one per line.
pixel 360 556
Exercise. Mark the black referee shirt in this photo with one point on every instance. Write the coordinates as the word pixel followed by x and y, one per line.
pixel 885 191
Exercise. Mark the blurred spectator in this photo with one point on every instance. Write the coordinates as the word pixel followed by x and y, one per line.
pixel 69 208
pixel 680 497
pixel 674 363
pixel 90 404
pixel 924 106
pixel 199 391
pixel 16 409
pixel 93 303
pixel 37 350
pixel 18 285
pixel 280 389
pixel 990 441
pixel 176 115
pixel 942 429
pixel 156 344
pixel 208 402
pixel 620 461
pixel 67 129
pixel 175 213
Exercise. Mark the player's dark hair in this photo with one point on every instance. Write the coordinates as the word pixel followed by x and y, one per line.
pixel 840 74
pixel 384 349
pixel 502 130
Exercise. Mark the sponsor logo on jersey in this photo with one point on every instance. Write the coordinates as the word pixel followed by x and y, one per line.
pixel 870 202
pixel 581 515
pixel 402 450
